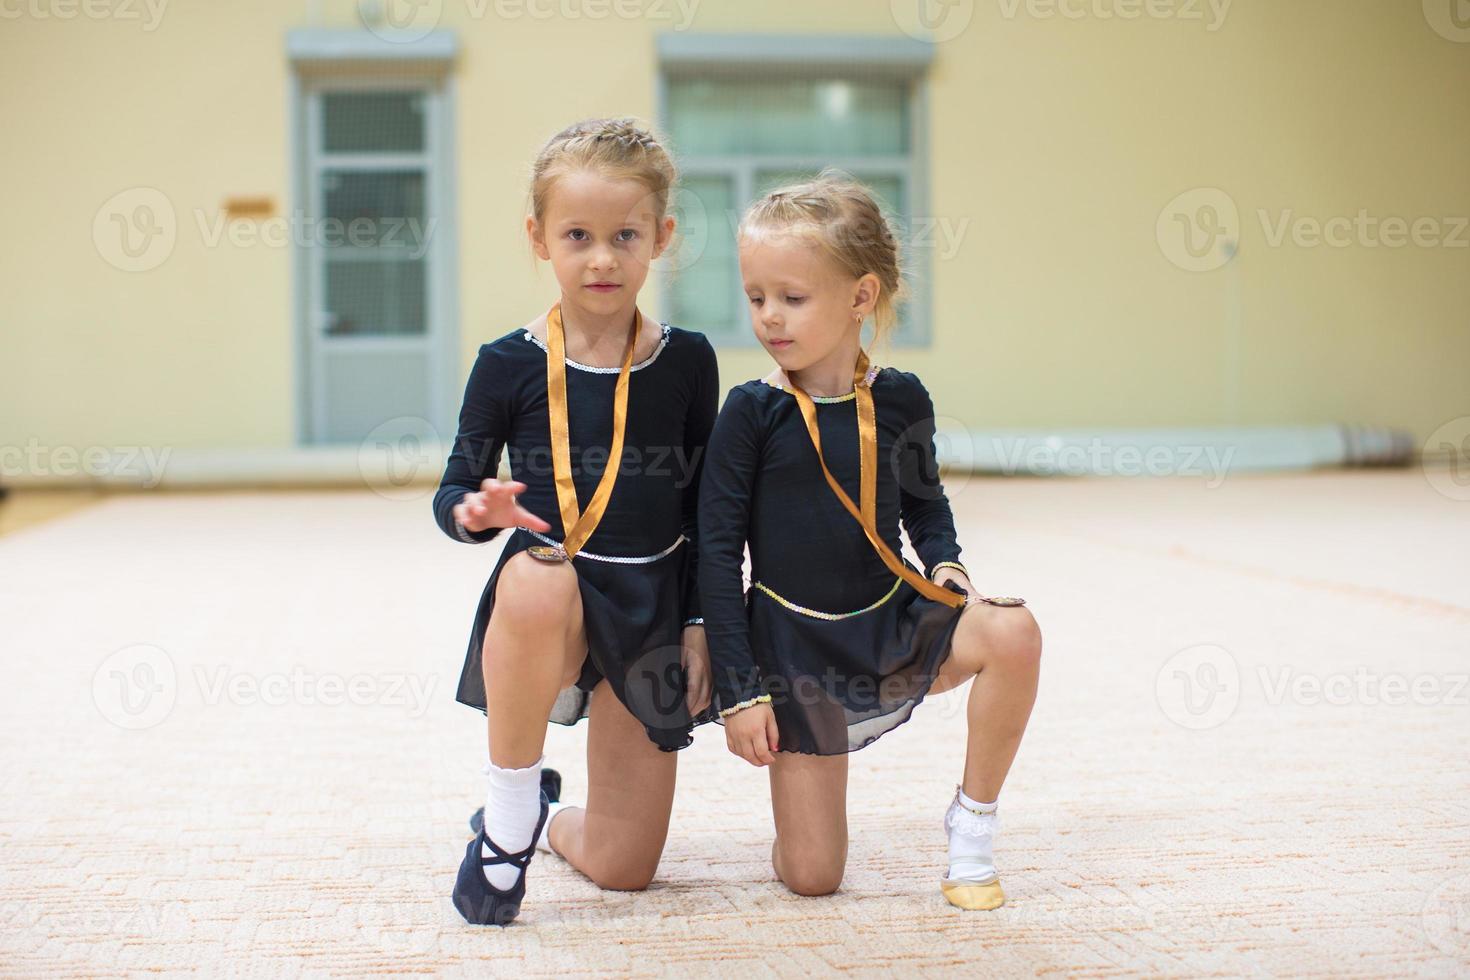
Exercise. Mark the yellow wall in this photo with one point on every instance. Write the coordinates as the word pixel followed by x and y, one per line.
pixel 1059 141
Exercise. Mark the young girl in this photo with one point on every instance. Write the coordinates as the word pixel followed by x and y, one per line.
pixel 606 416
pixel 839 637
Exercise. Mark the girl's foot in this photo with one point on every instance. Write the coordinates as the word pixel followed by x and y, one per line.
pixel 480 902
pixel 551 787
pixel 972 881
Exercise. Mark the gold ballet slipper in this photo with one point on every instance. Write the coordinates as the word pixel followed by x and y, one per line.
pixel 971 895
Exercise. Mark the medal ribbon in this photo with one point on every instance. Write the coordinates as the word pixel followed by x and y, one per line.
pixel 867 516
pixel 577 528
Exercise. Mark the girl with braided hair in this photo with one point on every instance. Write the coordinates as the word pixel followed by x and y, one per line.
pixel 839 638
pixel 591 609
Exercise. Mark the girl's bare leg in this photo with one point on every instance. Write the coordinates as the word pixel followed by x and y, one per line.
pixel 1000 647
pixel 809 802
pixel 534 646
pixel 618 838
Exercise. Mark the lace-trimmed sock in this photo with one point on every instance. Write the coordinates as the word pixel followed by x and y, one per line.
pixel 972 882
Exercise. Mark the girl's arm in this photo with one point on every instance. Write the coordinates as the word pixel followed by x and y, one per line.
pixel 484 423
pixel 925 509
pixel 697 427
pixel 724 514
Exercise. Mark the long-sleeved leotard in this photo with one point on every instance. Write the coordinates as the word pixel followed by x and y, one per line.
pixel 822 601
pixel 633 608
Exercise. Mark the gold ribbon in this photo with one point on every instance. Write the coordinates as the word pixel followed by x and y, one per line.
pixel 577 528
pixel 867 516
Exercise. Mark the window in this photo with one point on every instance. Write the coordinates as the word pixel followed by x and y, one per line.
pixel 747 114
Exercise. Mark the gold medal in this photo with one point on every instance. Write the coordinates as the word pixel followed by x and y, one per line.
pixel 546 552
pixel 867 515
pixel 577 527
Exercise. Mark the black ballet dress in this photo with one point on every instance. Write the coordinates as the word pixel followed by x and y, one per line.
pixel 845 648
pixel 633 611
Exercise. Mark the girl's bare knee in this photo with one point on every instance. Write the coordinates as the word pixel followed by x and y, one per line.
pixel 1019 639
pixel 532 594
pixel 622 874
pixel 812 878
pixel 809 873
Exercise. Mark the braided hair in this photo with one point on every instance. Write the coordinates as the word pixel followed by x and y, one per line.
pixel 615 148
pixel 841 215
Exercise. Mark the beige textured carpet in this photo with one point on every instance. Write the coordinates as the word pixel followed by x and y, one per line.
pixel 1251 754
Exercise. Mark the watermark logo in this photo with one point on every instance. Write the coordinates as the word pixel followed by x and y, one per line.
pixel 1449 18
pixel 400 21
pixel 135 230
pixel 932 20
pixel 1453 439
pixel 1199 231
pixel 135 687
pixel 1199 687
pixel 398 458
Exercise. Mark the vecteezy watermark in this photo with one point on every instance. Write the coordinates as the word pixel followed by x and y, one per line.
pixel 137 229
pixel 125 919
pixel 932 20
pixel 221 683
pixel 1052 455
pixel 1364 230
pixel 394 458
pixel 138 687
pixel 1362 686
pixel 1199 686
pixel 1211 13
pixel 136 464
pixel 406 21
pixel 1199 230
pixel 1449 18
pixel 149 12
pixel 1453 441
pixel 1446 917
pixel 135 687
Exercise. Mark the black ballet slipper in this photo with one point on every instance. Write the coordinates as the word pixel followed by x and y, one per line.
pixel 476 899
pixel 550 785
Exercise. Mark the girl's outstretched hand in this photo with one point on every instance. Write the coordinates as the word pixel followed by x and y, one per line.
pixel 751 734
pixel 495 506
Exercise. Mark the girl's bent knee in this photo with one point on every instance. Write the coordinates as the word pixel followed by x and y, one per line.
pixel 533 593
pixel 812 881
pixel 628 878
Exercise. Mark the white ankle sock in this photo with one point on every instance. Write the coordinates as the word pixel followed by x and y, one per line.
pixel 543 842
pixel 971 837
pixel 512 807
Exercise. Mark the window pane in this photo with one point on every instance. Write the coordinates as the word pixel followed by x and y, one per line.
pixel 704 289
pixel 367 122
pixel 831 117
pixel 375 296
pixel 387 205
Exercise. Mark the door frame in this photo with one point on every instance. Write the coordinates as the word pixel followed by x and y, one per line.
pixel 441 202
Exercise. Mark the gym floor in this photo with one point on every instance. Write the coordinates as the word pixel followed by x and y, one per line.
pixel 230 737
